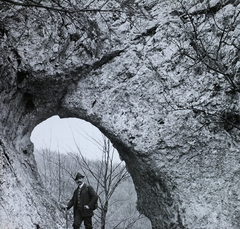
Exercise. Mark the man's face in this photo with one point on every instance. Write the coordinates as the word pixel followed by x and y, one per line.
pixel 79 181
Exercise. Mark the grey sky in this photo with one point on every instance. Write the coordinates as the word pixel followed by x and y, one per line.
pixel 69 135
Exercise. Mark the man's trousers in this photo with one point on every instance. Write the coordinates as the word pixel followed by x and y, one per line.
pixel 78 220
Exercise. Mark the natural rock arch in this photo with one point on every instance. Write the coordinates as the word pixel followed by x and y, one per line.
pixel 184 166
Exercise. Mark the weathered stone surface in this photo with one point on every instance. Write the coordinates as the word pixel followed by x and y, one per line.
pixel 165 120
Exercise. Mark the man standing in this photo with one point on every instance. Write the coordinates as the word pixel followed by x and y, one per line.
pixel 83 202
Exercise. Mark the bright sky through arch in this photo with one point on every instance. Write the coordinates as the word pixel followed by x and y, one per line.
pixel 66 135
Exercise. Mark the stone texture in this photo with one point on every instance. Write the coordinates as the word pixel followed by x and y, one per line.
pixel 164 118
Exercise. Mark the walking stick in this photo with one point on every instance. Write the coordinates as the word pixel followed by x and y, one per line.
pixel 66 217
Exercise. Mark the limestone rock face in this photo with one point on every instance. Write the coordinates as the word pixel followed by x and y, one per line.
pixel 174 122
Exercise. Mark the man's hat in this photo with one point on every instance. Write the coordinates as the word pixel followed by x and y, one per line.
pixel 79 175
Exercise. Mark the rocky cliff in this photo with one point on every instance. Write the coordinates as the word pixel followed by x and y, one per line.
pixel 159 79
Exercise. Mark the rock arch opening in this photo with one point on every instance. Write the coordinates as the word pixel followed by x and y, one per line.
pixel 63 147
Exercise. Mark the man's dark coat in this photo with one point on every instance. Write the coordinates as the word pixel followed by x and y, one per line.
pixel 87 197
